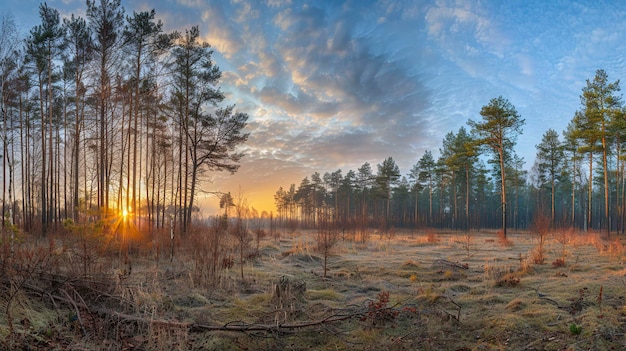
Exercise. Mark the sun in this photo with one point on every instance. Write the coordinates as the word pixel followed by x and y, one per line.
pixel 124 213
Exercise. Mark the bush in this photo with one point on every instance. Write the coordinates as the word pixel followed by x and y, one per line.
pixel 504 241
pixel 559 262
pixel 210 252
pixel 431 237
pixel 575 329
pixel 378 312
pixel 540 227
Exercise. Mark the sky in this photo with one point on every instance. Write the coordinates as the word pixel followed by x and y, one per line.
pixel 331 85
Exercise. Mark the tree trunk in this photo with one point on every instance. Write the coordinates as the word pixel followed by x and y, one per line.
pixel 573 221
pixel 467 196
pixel 503 188
pixel 590 192
pixel 607 217
pixel 44 189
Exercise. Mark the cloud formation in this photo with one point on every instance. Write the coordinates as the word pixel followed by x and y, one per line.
pixel 331 85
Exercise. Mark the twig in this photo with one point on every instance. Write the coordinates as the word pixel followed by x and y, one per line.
pixel 78 316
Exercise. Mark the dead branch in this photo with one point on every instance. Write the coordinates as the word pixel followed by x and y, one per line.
pixel 456 265
pixel 78 316
pixel 284 328
pixel 85 298
pixel 551 300
pixel 458 312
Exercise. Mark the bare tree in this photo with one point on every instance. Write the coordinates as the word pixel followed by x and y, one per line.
pixel 327 236
pixel 240 229
pixel 540 228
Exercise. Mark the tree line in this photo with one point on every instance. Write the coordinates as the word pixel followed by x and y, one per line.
pixel 108 115
pixel 479 181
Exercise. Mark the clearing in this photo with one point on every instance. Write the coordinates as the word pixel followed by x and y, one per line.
pixel 423 290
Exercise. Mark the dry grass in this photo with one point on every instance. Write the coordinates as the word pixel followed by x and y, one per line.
pixel 427 291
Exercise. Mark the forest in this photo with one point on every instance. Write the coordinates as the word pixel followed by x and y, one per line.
pixel 479 181
pixel 111 128
pixel 109 115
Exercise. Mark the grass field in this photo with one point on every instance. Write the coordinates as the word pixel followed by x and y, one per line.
pixel 421 290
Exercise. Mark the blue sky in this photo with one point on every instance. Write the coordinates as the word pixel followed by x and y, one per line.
pixel 334 84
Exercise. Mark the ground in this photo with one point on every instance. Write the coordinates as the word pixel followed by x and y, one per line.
pixel 402 290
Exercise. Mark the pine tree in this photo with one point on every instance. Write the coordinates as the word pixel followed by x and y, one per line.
pixel 498 132
pixel 550 158
pixel 601 105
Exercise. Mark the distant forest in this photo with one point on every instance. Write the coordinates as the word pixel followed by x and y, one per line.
pixel 106 117
pixel 577 179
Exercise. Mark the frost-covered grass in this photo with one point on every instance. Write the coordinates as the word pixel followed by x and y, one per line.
pixel 424 290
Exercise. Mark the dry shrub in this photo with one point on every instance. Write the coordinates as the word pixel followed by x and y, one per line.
pixel 540 228
pixel 503 275
pixel 208 246
pixel 559 262
pixel 467 243
pixel 163 245
pixel 390 233
pixel 509 279
pixel 86 249
pixel 576 237
pixel 525 265
pixel 502 240
pixel 327 236
pixel 356 232
pixel 429 293
pixel 432 237
pixel 288 292
pixel 25 264
pixel 538 255
pixel 594 238
pixel 300 245
pixel 164 337
pixel 259 234
pixel 565 238
pixel 378 311
pixel 616 248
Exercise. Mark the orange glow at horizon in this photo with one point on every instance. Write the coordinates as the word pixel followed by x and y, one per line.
pixel 259 199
